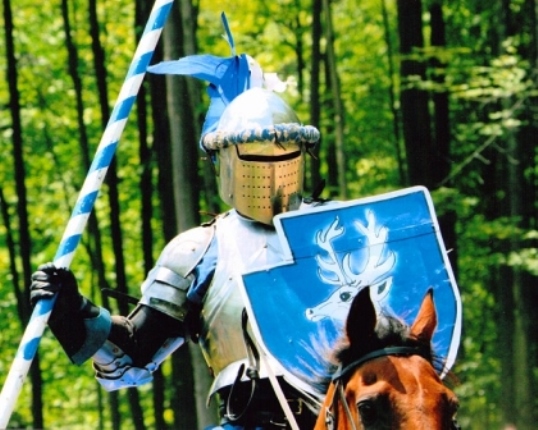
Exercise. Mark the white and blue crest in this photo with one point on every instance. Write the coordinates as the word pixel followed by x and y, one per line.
pixel 390 242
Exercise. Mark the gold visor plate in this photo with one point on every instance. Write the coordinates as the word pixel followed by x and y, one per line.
pixel 261 189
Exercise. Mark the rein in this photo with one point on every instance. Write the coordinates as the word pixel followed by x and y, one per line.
pixel 331 417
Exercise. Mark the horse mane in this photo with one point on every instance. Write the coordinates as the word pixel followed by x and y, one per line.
pixel 389 332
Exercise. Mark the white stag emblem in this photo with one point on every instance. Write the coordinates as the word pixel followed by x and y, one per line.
pixel 375 273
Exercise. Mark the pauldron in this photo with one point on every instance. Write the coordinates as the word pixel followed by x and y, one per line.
pixel 165 288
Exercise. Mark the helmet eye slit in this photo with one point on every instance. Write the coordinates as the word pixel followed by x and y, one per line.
pixel 267 158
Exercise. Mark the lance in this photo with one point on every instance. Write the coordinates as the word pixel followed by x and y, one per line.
pixel 85 202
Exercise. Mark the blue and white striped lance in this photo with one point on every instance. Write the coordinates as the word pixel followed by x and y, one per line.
pixel 84 205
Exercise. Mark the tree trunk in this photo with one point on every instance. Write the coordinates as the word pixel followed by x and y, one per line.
pixel 161 147
pixel 529 139
pixel 523 399
pixel 299 53
pixel 516 163
pixel 314 102
pixel 190 155
pixel 20 297
pixel 184 200
pixel 113 194
pixel 329 142
pixel 184 143
pixel 414 101
pixel 25 246
pixel 440 169
pixel 146 192
pixel 338 113
pixel 23 310
pixel 93 227
pixel 392 98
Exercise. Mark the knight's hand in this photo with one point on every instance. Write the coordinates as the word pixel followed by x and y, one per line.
pixel 48 280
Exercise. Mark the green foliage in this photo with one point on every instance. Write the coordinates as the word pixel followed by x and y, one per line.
pixel 491 84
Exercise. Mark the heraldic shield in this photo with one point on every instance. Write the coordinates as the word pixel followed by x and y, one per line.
pixel 390 242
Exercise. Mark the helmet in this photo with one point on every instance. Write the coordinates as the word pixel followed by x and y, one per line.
pixel 255 137
pixel 260 146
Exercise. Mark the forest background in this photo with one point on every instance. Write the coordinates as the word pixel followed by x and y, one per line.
pixel 440 94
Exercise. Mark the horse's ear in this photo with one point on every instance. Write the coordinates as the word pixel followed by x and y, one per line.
pixel 426 320
pixel 362 318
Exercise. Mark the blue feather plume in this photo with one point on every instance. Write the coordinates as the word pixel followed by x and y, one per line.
pixel 228 32
pixel 227 77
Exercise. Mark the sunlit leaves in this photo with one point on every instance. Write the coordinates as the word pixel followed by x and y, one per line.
pixel 489 80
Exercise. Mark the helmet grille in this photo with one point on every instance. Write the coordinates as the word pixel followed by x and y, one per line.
pixel 263 183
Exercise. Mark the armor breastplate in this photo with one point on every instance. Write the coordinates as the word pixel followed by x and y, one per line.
pixel 243 246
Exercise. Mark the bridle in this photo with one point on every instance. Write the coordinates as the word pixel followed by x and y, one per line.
pixel 331 417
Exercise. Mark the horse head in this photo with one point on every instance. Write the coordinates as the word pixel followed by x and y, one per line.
pixel 386 377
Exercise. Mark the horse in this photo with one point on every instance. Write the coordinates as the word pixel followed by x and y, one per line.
pixel 386 377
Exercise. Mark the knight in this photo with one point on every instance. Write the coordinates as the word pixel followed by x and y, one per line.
pixel 258 146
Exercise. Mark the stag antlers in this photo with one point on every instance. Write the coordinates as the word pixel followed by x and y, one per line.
pixel 376 267
pixel 332 271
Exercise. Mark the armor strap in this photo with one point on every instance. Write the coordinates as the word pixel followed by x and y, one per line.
pixel 253 373
pixel 235 396
pixel 280 394
pixel 272 377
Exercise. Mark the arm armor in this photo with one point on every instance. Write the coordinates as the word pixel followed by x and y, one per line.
pixel 166 286
pixel 139 343
pixel 81 332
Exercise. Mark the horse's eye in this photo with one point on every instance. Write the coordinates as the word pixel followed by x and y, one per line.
pixel 345 297
pixel 367 412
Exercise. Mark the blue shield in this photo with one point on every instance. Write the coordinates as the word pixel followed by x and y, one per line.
pixel 390 242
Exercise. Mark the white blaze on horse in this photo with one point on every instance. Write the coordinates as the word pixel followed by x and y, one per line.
pixel 375 273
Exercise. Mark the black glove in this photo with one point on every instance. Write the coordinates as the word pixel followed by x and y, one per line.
pixel 48 281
